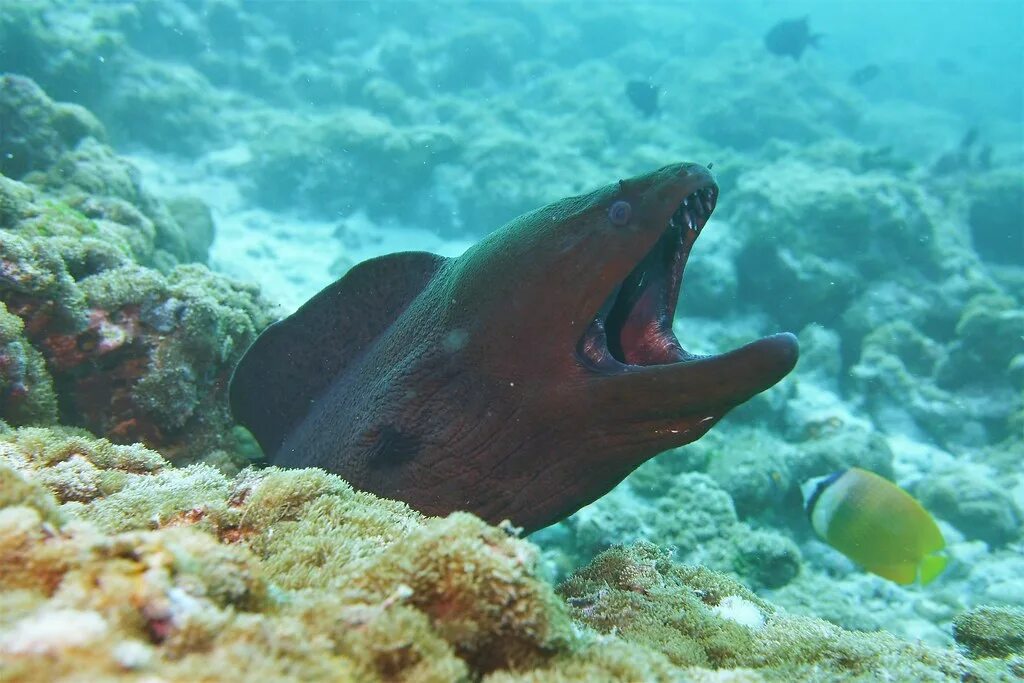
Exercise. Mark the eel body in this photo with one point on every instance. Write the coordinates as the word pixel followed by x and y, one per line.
pixel 521 380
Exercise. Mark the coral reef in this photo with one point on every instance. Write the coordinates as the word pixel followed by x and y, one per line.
pixel 92 336
pixel 58 150
pixel 26 389
pixel 688 512
pixel 992 632
pixel 998 198
pixel 902 273
pixel 320 163
pixel 973 501
pixel 695 617
pixel 37 131
pixel 114 563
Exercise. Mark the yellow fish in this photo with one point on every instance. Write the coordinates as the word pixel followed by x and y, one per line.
pixel 876 524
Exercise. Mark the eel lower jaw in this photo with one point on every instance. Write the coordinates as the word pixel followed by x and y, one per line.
pixel 634 325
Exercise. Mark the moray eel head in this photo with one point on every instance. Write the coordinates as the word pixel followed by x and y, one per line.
pixel 598 278
pixel 521 380
pixel 630 342
pixel 633 326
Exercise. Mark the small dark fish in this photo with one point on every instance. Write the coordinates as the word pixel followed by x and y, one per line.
pixel 865 74
pixel 644 97
pixel 790 38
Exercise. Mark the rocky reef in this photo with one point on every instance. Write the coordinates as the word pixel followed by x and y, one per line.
pixel 115 563
pixel 108 319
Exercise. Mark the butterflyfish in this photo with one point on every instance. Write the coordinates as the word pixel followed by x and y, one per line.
pixel 876 524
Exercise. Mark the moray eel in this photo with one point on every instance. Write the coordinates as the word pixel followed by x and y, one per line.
pixel 519 381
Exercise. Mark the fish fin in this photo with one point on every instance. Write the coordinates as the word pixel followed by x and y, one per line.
pixel 902 574
pixel 931 566
pixel 296 359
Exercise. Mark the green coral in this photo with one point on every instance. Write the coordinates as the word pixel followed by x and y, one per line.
pixel 15 490
pixel 59 149
pixel 74 465
pixel 35 271
pixel 93 179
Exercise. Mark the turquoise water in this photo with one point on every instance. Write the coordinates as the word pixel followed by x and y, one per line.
pixel 871 202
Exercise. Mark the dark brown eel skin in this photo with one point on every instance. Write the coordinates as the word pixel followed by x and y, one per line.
pixel 521 380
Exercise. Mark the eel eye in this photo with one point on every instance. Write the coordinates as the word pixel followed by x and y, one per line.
pixel 620 212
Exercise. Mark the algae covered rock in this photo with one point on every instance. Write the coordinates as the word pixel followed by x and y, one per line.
pixel 352 158
pixel 37 131
pixel 195 218
pixel 132 354
pixel 59 149
pixel 903 378
pixel 186 574
pixel 688 512
pixel 103 325
pixel 185 583
pixel 875 226
pixel 810 110
pixel 766 558
pixel 26 390
pixel 991 631
pixel 994 216
pixel 755 470
pixel 981 352
pixel 696 617
pixel 975 502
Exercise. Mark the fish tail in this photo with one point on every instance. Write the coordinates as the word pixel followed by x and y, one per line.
pixel 931 566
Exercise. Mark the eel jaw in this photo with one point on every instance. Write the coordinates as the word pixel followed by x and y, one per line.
pixel 634 325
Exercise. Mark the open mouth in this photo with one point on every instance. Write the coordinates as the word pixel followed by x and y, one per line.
pixel 634 325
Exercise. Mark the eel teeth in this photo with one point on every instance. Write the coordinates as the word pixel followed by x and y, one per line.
pixel 694 210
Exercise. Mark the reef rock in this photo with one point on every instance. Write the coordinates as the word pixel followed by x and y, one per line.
pixel 992 632
pixel 291 575
pixel 103 325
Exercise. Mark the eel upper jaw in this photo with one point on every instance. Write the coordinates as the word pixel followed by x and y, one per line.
pixel 633 327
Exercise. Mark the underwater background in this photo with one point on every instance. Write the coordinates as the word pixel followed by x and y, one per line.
pixel 178 175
